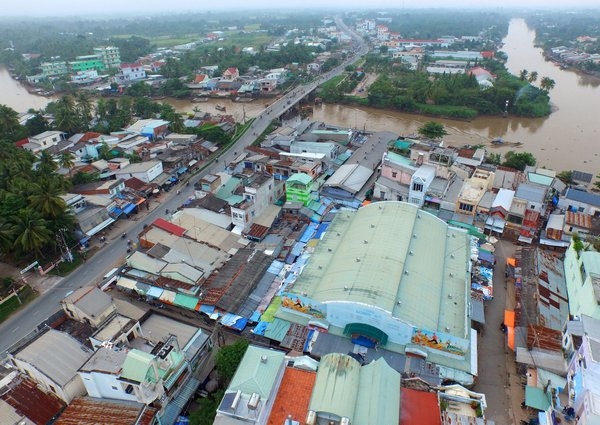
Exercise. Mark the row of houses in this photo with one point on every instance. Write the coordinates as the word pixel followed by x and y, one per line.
pixel 110 360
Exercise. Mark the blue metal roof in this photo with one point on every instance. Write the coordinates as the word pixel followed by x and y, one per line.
pixel 583 196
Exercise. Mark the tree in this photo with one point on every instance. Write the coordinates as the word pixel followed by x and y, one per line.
pixel 46 163
pixel 519 160
pixel 207 409
pixel 533 75
pixel 523 74
pixel 229 357
pixel 9 123
pixel 31 232
pixel 547 84
pixel 66 160
pixel 66 117
pixel 566 177
pixel 432 130
pixel 46 197
pixel 83 106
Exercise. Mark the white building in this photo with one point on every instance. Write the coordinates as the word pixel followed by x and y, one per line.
pixel 258 194
pixel 145 171
pixel 44 140
pixel 130 72
pixel 52 360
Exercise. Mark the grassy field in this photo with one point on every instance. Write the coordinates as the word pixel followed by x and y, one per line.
pixel 241 39
pixel 167 40
pixel 26 294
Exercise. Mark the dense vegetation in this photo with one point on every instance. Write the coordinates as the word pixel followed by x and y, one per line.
pixel 449 95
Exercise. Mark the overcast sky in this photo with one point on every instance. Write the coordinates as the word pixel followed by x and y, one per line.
pixel 105 7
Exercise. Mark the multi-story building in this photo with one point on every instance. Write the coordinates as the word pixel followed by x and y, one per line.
pixel 582 273
pixel 109 55
pixel 130 72
pixel 54 69
pixel 298 188
pixel 87 63
pixel 259 191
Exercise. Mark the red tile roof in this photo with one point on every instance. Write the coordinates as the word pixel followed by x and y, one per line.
pixel 258 231
pixel 136 184
pixel 174 229
pixel 419 407
pixel 579 219
pixel 293 396
pixel 93 411
pixel 38 406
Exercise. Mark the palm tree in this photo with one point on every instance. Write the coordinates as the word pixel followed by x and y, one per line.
pixel 9 122
pixel 31 232
pixel 66 160
pixel 523 74
pixel 66 116
pixel 7 236
pixel 46 162
pixel 547 84
pixel 84 107
pixel 533 77
pixel 46 197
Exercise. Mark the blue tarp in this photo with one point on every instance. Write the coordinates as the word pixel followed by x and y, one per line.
pixel 308 233
pixel 128 208
pixel 260 328
pixel 486 256
pixel 321 229
pixel 234 321
pixel 182 170
pixel 208 309
pixel 116 212
pixel 255 316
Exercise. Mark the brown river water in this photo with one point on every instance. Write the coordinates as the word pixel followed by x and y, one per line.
pixel 567 139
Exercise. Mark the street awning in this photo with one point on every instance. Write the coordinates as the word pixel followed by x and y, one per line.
pixel 142 288
pixel 509 322
pixel 536 398
pixel 128 208
pixel 154 292
pixel 99 227
pixel 182 170
pixel 116 212
pixel 168 296
pixel 126 283
pixel 186 301
pixel 192 163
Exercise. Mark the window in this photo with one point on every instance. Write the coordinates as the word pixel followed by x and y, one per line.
pixel 398 197
pixel 465 207
pixel 394 174
pixel 114 388
pixel 382 195
pixel 418 187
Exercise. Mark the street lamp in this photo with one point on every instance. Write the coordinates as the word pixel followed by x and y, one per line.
pixel 506 108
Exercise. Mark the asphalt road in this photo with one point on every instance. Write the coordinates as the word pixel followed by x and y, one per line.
pixel 113 253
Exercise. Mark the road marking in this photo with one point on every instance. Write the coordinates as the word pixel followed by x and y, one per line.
pixel 15 329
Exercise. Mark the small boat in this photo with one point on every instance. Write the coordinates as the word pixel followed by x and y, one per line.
pixel 497 141
pixel 199 99
pixel 220 108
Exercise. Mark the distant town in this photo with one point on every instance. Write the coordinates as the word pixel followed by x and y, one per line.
pixel 205 269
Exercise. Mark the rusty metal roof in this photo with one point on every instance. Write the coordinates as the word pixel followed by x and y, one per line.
pixel 27 399
pixel 93 411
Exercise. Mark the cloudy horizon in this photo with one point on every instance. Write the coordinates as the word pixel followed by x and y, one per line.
pixel 57 8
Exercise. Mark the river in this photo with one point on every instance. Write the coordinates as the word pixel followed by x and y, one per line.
pixel 565 140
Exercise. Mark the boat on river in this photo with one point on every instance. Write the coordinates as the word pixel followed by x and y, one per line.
pixel 220 108
pixel 497 141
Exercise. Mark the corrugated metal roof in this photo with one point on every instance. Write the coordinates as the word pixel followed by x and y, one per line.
pixel 68 355
pixel 93 411
pixel 531 192
pixel 383 255
pixel 379 394
pixel 90 300
pixel 583 196
pixel 350 177
pixel 168 226
pixel 578 219
pixel 419 407
pixel 336 387
pixel 186 301
pixel 256 375
pixel 277 329
pixel 25 397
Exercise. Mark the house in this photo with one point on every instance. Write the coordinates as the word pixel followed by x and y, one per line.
pixel 527 206
pixel 231 73
pixel 111 188
pixel 473 191
pixel 56 372
pixel 577 200
pixel 90 411
pixel 44 141
pixel 496 220
pixel 395 177
pixel 251 392
pixel 23 402
pixel 144 171
pixel 259 192
pixel 582 273
pixel 148 361
pixel 583 376
pixel 298 188
pixel 419 184
pixel 89 305
pixel 129 72
pixel 153 129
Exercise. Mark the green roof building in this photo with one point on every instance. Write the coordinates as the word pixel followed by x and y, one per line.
pixel 298 188
pixel 87 63
pixel 252 390
pixel 392 275
pixel 363 395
